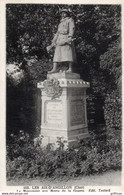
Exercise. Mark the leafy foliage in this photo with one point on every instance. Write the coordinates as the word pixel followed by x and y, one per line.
pixel 14 74
pixel 111 62
pixel 112 110
pixel 93 156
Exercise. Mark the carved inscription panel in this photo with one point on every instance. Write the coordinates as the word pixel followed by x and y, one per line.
pixel 53 112
pixel 77 112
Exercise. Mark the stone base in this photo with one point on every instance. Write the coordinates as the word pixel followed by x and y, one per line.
pixel 69 138
pixel 64 113
pixel 64 75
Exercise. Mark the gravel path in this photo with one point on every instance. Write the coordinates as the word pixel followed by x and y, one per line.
pixel 111 178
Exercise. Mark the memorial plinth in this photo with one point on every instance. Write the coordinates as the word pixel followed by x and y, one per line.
pixel 63 109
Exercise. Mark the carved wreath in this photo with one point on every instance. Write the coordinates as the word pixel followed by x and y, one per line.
pixel 52 88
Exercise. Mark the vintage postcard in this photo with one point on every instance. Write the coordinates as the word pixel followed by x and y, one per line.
pixel 61 97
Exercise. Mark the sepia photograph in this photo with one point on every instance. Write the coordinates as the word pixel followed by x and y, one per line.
pixel 63 96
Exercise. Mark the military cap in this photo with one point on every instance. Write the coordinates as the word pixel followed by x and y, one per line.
pixel 64 10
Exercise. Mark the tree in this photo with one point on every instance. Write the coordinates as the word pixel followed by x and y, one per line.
pixel 98 48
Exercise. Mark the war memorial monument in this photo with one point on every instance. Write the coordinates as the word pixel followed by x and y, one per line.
pixel 63 93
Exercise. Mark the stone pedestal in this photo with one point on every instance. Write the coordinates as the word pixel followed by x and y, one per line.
pixel 63 109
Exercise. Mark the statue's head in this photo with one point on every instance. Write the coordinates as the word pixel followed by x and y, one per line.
pixel 65 13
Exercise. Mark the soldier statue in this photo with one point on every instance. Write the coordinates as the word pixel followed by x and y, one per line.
pixel 63 42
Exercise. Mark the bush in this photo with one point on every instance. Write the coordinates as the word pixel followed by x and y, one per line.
pixel 112 110
pixel 15 75
pixel 26 157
